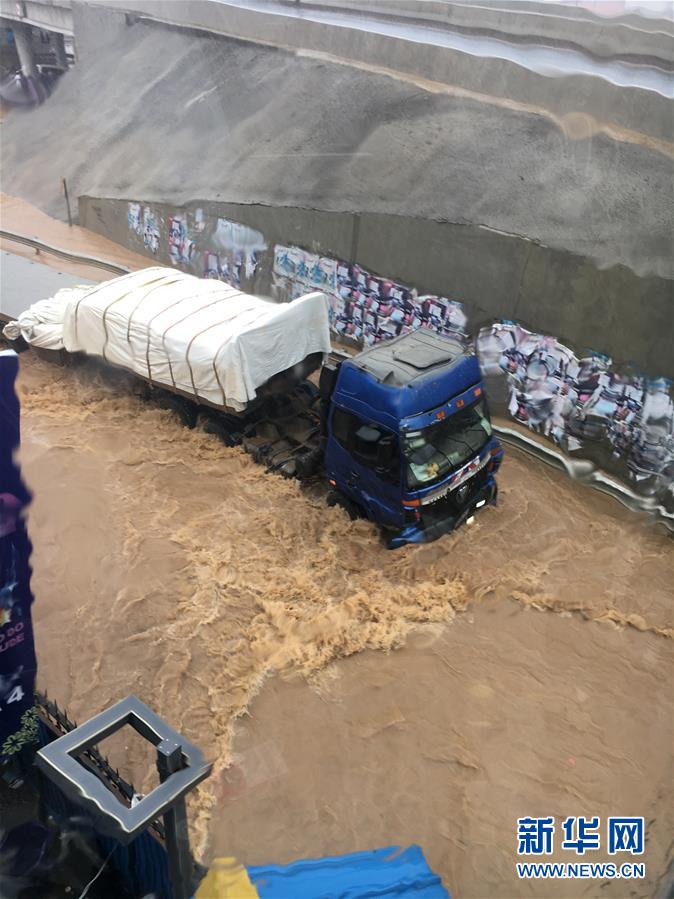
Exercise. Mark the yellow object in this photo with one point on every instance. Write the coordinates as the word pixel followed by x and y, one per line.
pixel 227 879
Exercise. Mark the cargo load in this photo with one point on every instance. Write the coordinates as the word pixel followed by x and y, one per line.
pixel 198 337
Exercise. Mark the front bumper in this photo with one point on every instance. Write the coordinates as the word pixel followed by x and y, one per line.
pixel 448 519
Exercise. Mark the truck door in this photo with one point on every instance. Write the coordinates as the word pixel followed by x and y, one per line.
pixel 364 459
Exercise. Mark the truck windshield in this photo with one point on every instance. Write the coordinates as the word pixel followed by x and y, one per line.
pixel 432 452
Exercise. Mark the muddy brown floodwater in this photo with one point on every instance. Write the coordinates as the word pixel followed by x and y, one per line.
pixel 534 678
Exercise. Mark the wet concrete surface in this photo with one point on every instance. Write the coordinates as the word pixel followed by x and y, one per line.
pixel 544 60
pixel 274 128
pixel 25 281
pixel 26 219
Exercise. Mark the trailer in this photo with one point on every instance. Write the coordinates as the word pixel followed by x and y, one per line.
pixel 400 431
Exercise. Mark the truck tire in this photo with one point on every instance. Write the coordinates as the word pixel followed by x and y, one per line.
pixel 308 463
pixel 352 508
pixel 215 427
pixel 187 412
pixel 308 389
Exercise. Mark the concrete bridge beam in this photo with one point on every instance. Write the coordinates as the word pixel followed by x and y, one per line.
pixel 49 15
pixel 59 46
pixel 22 39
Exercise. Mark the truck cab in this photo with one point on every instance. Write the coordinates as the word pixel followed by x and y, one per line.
pixel 408 436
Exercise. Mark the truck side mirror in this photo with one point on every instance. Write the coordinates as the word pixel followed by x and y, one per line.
pixel 367 441
pixel 386 449
pixel 327 380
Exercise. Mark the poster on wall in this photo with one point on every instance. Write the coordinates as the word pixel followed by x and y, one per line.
pixel 150 230
pixel 18 723
pixel 364 307
pixel 210 248
pixel 285 290
pixel 288 261
pixel 580 402
pixel 133 218
pixel 232 253
pixel 181 247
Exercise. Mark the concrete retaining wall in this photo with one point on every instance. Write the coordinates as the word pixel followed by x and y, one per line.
pixel 600 100
pixel 642 41
pixel 496 276
pixel 96 27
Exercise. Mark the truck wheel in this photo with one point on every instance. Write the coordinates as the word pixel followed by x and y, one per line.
pixel 354 511
pixel 219 430
pixel 308 463
pixel 289 469
pixel 188 413
pixel 308 389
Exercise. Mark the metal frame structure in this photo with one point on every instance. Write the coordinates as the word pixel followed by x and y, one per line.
pixel 181 766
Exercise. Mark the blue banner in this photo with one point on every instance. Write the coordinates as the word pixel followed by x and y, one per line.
pixel 18 724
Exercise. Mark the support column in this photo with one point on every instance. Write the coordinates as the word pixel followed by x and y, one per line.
pixel 169 761
pixel 59 45
pixel 24 47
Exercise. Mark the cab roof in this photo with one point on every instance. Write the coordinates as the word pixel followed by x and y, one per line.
pixel 406 376
pixel 410 357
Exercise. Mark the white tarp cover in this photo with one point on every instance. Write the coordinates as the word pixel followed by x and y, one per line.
pixel 198 336
pixel 41 324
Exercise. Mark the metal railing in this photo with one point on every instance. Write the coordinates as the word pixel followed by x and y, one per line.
pixel 69 255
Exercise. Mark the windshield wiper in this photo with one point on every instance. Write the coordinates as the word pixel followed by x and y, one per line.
pixel 471 449
pixel 477 427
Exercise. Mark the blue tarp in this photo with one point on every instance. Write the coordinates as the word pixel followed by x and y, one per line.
pixel 403 874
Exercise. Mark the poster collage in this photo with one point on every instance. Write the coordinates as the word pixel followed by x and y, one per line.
pixel 577 401
pixel 144 222
pixel 364 307
pixel 229 251
pixel 574 401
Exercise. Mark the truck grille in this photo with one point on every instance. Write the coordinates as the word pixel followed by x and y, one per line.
pixel 453 503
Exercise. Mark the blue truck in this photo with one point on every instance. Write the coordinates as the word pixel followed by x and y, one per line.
pixel 407 436
pixel 401 430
